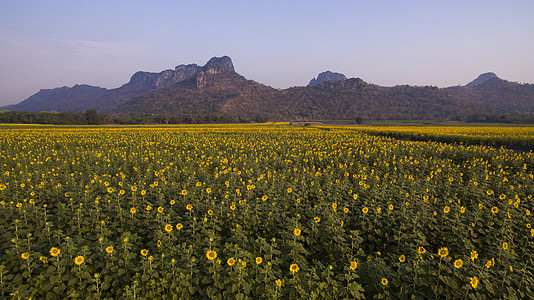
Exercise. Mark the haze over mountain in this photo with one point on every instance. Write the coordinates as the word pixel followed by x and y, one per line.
pixel 216 88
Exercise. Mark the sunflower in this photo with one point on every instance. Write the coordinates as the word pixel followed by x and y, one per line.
pixel 168 228
pixel 317 219
pixel 109 249
pixel 55 251
pixel 259 260
pixel 289 190
pixel 211 255
pixel 346 210
pixel 353 265
pixel 334 205
pixel 79 260
pixel 294 268
pixel 402 258
pixel 132 210
pixel 297 231
pixel 474 255
pixel 231 261
pixel 179 226
pixel 390 207
pixel 458 263
pixel 421 250
pixel 494 210
pixel 264 198
pixel 384 282
pixel 474 281
pixel 443 252
pixel 160 209
pixel 25 255
pixel 365 210
pixel 505 245
pixel 189 207
pixel 278 282
pixel 355 196
pixel 184 192
pixel 144 252
pixel 446 209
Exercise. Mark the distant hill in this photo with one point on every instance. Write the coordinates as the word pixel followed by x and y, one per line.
pixel 497 96
pixel 63 99
pixel 81 98
pixel 217 89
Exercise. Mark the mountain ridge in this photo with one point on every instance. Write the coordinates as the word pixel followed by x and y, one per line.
pixel 216 88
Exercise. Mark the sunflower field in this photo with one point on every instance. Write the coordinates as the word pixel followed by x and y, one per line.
pixel 262 212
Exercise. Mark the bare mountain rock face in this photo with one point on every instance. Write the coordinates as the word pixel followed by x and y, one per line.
pixel 326 76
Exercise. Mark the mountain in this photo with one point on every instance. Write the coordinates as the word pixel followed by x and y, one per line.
pixel 217 89
pixel 497 96
pixel 63 99
pixel 231 94
pixel 326 76
pixel 85 97
pixel 481 79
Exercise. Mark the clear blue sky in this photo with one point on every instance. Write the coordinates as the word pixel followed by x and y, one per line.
pixel 47 44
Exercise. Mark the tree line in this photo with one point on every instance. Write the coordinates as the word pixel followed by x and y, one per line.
pixel 92 117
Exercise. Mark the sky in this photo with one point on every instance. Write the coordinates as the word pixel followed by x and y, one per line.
pixel 48 44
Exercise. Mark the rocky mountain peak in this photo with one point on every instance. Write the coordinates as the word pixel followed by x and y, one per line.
pixel 326 76
pixel 216 65
pixel 219 63
pixel 482 78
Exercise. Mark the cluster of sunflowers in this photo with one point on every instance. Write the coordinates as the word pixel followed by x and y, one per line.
pixel 260 211
pixel 474 135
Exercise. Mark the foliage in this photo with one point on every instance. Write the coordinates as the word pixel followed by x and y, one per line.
pixel 91 117
pixel 257 211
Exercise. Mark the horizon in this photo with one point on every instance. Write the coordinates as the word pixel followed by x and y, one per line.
pixel 278 44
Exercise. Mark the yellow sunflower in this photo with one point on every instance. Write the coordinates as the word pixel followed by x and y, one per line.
pixel 443 252
pixel 79 260
pixel 211 255
pixel 55 251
